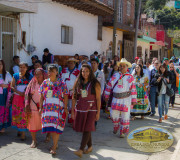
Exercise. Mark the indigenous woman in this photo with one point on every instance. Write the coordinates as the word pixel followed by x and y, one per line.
pixel 141 82
pixel 18 85
pixel 122 89
pixel 115 69
pixel 87 95
pixel 5 79
pixel 32 99
pixel 53 105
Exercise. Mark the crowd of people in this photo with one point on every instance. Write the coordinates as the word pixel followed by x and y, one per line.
pixel 44 95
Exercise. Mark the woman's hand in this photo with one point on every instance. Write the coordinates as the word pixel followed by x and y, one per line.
pixel 140 85
pixel 167 80
pixel 159 79
pixel 28 109
pixel 97 116
pixel 66 111
pixel 40 111
pixel 72 115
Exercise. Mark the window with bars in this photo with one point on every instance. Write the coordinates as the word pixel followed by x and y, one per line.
pixel 66 35
pixel 120 11
pixel 110 3
pixel 128 8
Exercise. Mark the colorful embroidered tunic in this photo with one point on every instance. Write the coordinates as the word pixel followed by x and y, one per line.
pixel 53 115
pixel 127 85
pixel 4 110
pixel 19 117
pixel 142 107
pixel 70 77
pixel 123 84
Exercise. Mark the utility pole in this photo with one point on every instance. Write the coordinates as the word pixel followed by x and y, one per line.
pixel 115 27
pixel 137 26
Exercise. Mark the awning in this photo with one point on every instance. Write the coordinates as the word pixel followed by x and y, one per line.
pixel 159 43
pixel 91 6
pixel 17 7
pixel 147 39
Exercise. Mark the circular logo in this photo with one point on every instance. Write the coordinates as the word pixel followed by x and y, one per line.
pixel 150 139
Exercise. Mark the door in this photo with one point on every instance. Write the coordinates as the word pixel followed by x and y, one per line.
pixel 7 50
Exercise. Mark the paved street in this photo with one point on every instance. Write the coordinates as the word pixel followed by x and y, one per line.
pixel 106 145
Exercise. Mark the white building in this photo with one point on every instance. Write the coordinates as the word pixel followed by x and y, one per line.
pixel 26 28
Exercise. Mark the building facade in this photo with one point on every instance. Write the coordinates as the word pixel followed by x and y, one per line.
pixel 64 28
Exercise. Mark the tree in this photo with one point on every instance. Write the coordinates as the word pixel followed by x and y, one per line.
pixel 169 17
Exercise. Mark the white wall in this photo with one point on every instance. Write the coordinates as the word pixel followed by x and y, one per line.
pixel 108 37
pixel 44 30
pixel 145 46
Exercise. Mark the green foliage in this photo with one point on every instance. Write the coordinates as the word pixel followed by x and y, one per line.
pixel 169 17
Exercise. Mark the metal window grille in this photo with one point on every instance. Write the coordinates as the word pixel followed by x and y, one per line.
pixel 6 28
pixel 120 11
pixel 128 8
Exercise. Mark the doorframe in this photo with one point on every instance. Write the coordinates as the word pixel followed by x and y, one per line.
pixel 6 33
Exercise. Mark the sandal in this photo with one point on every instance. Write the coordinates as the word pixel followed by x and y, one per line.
pixel 33 145
pixel 89 150
pixel 133 118
pixel 52 147
pixel 53 152
pixel 78 153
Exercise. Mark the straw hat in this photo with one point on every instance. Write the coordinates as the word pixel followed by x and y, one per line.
pixel 72 60
pixel 124 61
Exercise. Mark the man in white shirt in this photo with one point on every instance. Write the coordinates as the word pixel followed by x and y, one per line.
pixel 98 74
pixel 151 67
pixel 15 68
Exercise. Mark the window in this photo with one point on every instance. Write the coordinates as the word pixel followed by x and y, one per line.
pixel 66 34
pixel 128 8
pixel 120 11
pixel 110 3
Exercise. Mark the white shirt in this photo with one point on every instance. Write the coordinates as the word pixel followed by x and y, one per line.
pixel 100 77
pixel 151 67
pixel 16 69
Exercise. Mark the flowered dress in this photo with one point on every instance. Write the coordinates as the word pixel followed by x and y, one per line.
pixel 4 110
pixel 143 106
pixel 53 115
pixel 19 117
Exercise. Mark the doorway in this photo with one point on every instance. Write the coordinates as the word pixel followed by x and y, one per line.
pixel 7 40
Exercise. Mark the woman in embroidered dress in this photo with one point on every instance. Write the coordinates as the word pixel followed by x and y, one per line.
pixel 32 99
pixel 18 85
pixel 87 95
pixel 53 105
pixel 141 82
pixel 5 79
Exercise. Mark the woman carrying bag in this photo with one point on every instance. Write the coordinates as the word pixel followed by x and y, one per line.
pixel 163 82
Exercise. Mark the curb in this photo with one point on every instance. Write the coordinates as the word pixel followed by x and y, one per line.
pixel 177 150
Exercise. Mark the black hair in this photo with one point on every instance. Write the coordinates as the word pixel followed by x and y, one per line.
pixel 3 70
pixel 27 75
pixel 80 80
pixel 96 53
pixel 94 60
pixel 141 72
pixel 165 74
pixel 46 50
pixel 112 72
pixel 15 57
pixel 38 61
